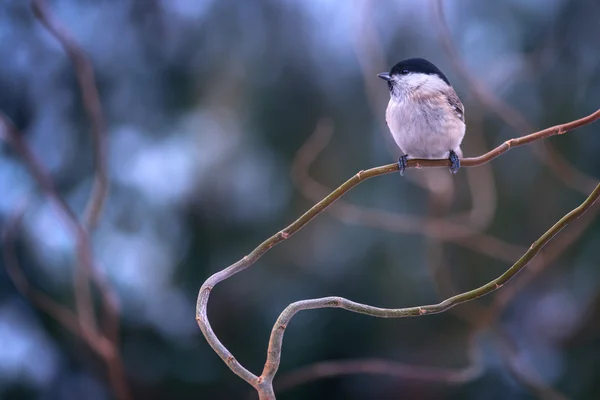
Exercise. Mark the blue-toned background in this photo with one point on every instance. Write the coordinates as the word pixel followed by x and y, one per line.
pixel 207 103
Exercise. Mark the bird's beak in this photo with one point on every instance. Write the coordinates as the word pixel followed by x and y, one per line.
pixel 385 76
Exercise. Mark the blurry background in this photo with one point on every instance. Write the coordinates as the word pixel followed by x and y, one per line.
pixel 208 102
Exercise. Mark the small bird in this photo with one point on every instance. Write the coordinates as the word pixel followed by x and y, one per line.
pixel 424 115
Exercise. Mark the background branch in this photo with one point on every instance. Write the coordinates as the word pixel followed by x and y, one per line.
pixel 93 209
pixel 263 384
pixel 105 346
pixel 564 171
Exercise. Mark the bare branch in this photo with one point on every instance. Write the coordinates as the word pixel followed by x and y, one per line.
pixel 63 315
pixel 441 229
pixel 568 174
pixel 329 369
pixel 263 384
pixel 43 179
pixel 93 107
pixel 91 102
pixel 276 340
pixel 522 371
pixel 105 347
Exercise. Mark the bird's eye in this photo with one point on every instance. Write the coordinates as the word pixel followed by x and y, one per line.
pixel 404 72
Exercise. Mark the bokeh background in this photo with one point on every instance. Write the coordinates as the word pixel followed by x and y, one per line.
pixel 207 104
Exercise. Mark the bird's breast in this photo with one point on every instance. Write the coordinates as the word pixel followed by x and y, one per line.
pixel 426 130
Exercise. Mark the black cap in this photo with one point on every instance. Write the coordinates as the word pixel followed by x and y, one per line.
pixel 418 65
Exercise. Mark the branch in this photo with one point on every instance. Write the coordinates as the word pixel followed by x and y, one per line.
pixel 522 371
pixel 91 102
pixel 276 340
pixel 93 108
pixel 329 369
pixel 66 213
pixel 568 174
pixel 63 315
pixel 335 368
pixel 104 346
pixel 441 229
pixel 263 384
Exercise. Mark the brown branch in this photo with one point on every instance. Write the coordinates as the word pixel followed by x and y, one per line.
pixel 549 255
pixel 441 229
pixel 91 102
pixel 85 308
pixel 522 371
pixel 330 369
pixel 480 318
pixel 276 340
pixel 63 315
pixel 105 347
pixel 565 172
pixel 263 384
pixel 449 376
pixel 92 105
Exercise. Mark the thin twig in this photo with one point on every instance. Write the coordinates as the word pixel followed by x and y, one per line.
pixel 329 369
pixel 93 107
pixel 568 174
pixel 263 384
pixel 104 346
pixel 522 370
pixel 47 185
pixel 438 228
pixel 63 315
pixel 276 340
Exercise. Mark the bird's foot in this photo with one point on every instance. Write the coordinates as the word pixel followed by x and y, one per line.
pixel 454 162
pixel 402 162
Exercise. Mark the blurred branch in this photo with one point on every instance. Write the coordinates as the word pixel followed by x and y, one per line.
pixel 480 318
pixel 105 346
pixel 522 371
pixel 330 369
pixel 336 368
pixel 263 383
pixel 43 179
pixel 549 255
pixel 87 326
pixel 441 229
pixel 276 340
pixel 482 185
pixel 371 59
pixel 63 315
pixel 565 172
pixel 91 102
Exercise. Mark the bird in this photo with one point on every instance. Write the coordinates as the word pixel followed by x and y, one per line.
pixel 425 116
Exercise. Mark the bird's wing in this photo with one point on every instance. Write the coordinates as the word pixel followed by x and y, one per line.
pixel 456 105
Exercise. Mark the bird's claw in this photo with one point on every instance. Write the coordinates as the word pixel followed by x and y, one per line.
pixel 402 162
pixel 454 162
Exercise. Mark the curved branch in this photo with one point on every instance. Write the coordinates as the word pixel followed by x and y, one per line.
pixel 93 108
pixel 329 369
pixel 565 172
pixel 276 340
pixel 107 348
pixel 63 315
pixel 437 228
pixel 263 384
pixel 84 73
